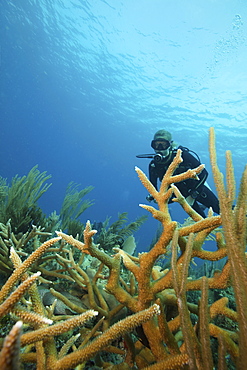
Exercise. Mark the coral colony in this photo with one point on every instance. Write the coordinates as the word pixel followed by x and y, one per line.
pixel 67 301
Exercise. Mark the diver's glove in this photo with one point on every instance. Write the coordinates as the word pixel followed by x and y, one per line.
pixel 190 200
pixel 149 198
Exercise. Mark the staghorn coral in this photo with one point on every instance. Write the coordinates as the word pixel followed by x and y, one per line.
pixel 44 333
pixel 10 353
pixel 8 239
pixel 173 339
pixel 170 286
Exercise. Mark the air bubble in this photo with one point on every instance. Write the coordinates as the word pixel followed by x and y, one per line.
pixel 237 22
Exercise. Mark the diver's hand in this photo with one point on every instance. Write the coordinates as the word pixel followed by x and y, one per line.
pixel 149 198
pixel 190 200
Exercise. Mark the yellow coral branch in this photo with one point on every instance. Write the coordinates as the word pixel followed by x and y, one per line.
pixel 17 274
pixel 234 244
pixel 30 317
pixel 9 355
pixel 148 185
pixel 114 332
pixel 9 303
pixel 59 328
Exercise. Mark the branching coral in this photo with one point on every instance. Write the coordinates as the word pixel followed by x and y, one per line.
pixel 175 333
pixel 10 354
pixel 47 333
pixel 153 285
pixel 234 226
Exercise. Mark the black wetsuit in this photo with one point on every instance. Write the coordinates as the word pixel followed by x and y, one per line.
pixel 194 188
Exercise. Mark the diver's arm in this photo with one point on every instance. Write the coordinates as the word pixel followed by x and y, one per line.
pixel 195 186
pixel 153 178
pixel 200 183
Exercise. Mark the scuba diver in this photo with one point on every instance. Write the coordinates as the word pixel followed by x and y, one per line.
pixel 197 192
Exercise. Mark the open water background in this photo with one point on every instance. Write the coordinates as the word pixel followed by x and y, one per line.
pixel 85 84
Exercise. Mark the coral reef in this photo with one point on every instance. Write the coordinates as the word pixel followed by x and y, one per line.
pixel 162 328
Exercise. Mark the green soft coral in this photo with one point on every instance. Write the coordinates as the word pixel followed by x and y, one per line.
pixel 18 201
pixel 111 235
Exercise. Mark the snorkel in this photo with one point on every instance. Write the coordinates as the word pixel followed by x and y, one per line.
pixel 157 158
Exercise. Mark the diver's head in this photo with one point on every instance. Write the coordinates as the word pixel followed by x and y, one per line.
pixel 162 143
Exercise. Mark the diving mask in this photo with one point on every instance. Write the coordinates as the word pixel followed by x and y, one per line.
pixel 160 144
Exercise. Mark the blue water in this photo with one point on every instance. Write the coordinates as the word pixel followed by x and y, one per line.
pixel 85 84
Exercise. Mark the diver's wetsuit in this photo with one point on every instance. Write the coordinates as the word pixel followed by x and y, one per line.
pixel 194 188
